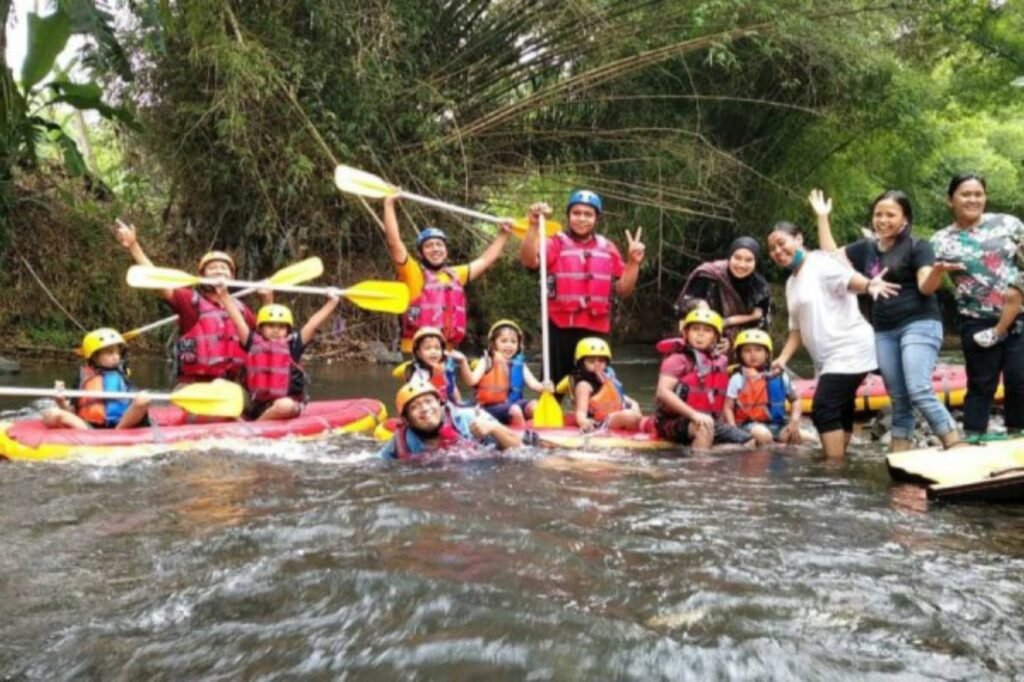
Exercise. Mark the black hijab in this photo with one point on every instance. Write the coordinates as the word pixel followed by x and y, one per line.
pixel 752 287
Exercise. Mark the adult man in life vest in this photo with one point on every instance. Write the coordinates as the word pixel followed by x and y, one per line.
pixel 436 288
pixel 429 427
pixel 585 270
pixel 208 347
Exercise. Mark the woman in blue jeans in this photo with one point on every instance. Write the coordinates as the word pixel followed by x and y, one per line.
pixel 908 326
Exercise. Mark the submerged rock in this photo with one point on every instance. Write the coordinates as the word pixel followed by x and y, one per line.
pixel 9 366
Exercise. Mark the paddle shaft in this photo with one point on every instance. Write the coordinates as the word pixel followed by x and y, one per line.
pixel 541 235
pixel 292 288
pixel 54 393
pixel 451 207
pixel 174 318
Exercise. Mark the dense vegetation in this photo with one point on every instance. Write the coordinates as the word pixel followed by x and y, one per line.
pixel 221 121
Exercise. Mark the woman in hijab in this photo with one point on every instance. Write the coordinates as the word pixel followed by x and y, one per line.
pixel 732 287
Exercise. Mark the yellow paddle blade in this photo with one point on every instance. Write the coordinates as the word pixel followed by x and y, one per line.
pixel 218 398
pixel 300 272
pixel 380 296
pixel 548 413
pixel 562 387
pixel 354 181
pixel 521 225
pixel 399 372
pixel 149 277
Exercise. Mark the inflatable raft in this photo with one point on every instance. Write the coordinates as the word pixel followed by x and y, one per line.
pixel 989 472
pixel 571 437
pixel 949 382
pixel 31 440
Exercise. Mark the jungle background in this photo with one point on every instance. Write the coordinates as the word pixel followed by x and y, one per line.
pixel 217 124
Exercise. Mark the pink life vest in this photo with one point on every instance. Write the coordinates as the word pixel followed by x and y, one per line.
pixel 211 348
pixel 583 276
pixel 440 304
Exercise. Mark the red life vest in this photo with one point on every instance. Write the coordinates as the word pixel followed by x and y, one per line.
pixel 583 276
pixel 440 304
pixel 100 412
pixel 703 385
pixel 268 369
pixel 448 434
pixel 211 349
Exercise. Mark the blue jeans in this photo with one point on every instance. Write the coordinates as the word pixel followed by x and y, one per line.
pixel 906 360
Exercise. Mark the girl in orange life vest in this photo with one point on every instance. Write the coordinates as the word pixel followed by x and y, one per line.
pixel 436 287
pixel 755 399
pixel 501 375
pixel 600 398
pixel 430 363
pixel 691 388
pixel 275 380
pixel 585 272
pixel 208 342
pixel 103 371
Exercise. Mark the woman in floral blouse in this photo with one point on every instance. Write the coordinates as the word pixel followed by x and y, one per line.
pixel 978 250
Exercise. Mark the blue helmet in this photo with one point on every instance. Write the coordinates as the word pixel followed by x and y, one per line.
pixel 430 233
pixel 585 196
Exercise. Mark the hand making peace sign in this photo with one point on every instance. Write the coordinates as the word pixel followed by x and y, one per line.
pixel 636 247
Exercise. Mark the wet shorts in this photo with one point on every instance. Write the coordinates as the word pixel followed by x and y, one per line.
pixel 834 401
pixel 500 411
pixel 677 430
pixel 774 428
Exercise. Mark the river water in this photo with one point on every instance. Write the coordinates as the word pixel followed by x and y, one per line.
pixel 318 561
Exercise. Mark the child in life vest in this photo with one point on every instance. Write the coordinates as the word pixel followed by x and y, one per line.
pixel 501 376
pixel 274 379
pixel 755 400
pixel 599 397
pixel 432 364
pixel 102 371
pixel 692 382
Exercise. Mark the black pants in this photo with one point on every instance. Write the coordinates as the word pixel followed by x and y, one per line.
pixel 834 401
pixel 562 344
pixel 983 368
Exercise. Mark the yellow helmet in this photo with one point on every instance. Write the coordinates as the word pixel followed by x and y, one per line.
pixel 704 316
pixel 426 332
pixel 755 337
pixel 412 390
pixel 275 313
pixel 504 323
pixel 98 339
pixel 212 256
pixel 593 347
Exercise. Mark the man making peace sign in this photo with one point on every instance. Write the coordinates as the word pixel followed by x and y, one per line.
pixel 585 270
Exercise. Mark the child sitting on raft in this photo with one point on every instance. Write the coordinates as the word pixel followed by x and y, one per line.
pixel 432 364
pixel 755 400
pixel 501 375
pixel 600 400
pixel 691 388
pixel 274 379
pixel 104 370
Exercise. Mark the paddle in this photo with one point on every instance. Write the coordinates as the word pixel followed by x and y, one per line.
pixel 377 295
pixel 548 413
pixel 303 271
pixel 217 398
pixel 354 181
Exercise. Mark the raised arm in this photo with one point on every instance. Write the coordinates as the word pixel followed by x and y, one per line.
pixel 128 238
pixel 529 251
pixel 399 254
pixel 486 259
pixel 320 316
pixel 635 256
pixel 235 313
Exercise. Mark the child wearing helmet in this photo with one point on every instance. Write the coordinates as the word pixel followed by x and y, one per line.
pixel 208 345
pixel 430 426
pixel 692 383
pixel 436 287
pixel 755 400
pixel 274 379
pixel 599 397
pixel 502 374
pixel 104 370
pixel 431 363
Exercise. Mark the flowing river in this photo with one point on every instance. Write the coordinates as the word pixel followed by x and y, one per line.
pixel 318 561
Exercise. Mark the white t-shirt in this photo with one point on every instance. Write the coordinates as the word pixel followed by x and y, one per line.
pixel 837 337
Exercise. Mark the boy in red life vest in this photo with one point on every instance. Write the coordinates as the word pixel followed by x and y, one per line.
pixel 692 383
pixel 755 399
pixel 501 376
pixel 431 363
pixel 585 273
pixel 208 344
pixel 429 426
pixel 600 398
pixel 436 288
pixel 273 376
pixel 103 371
